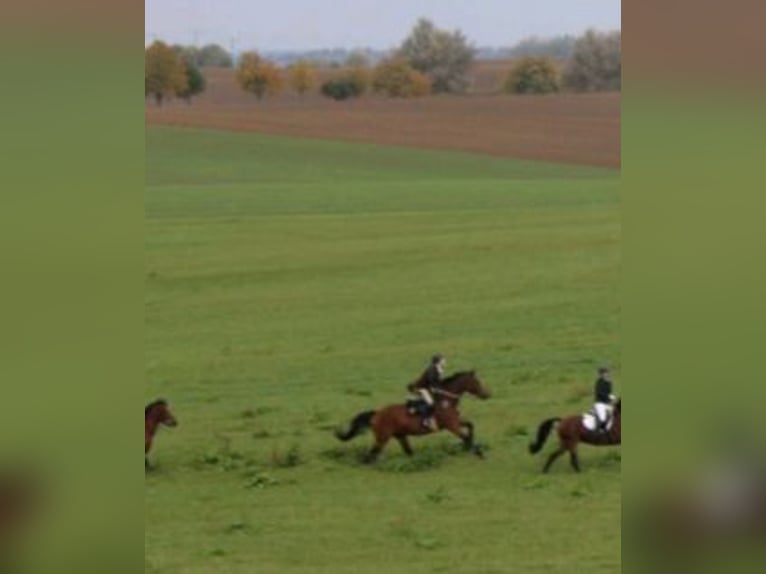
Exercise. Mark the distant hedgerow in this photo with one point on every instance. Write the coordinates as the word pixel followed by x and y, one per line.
pixel 342 88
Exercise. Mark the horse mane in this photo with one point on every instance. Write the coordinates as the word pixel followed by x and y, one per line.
pixel 455 376
pixel 153 404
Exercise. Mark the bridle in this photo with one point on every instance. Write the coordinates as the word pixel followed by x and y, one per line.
pixel 446 394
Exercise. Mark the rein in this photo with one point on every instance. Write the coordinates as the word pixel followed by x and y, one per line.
pixel 446 394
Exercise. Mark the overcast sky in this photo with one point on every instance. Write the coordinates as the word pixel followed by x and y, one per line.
pixel 309 24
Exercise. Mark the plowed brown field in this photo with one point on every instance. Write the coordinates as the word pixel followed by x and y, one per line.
pixel 565 128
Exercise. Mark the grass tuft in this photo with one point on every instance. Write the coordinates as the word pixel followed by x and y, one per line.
pixel 288 458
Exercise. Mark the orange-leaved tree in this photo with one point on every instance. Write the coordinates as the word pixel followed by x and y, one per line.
pixel 258 75
pixel 532 75
pixel 164 72
pixel 397 79
pixel 302 76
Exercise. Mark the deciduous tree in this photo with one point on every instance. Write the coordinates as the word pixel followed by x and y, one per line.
pixel 533 76
pixel 596 63
pixel 258 75
pixel 213 55
pixel 358 70
pixel 164 72
pixel 442 55
pixel 195 82
pixel 397 79
pixel 341 88
pixel 302 76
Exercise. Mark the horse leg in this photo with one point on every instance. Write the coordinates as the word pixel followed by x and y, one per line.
pixel 469 442
pixel 574 459
pixel 551 459
pixel 405 443
pixel 381 439
pixel 373 454
pixel 468 437
pixel 456 427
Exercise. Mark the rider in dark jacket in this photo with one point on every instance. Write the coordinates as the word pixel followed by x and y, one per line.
pixel 430 379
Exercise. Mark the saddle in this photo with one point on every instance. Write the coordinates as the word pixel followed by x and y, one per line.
pixel 418 407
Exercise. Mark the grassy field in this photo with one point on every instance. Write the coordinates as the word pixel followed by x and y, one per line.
pixel 293 283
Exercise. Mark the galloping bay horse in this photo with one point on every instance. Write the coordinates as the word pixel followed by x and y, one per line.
pixel 155 414
pixel 572 432
pixel 396 421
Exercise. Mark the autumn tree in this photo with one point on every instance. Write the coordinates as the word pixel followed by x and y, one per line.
pixel 596 62
pixel 164 72
pixel 397 79
pixel 533 76
pixel 302 76
pixel 444 56
pixel 258 75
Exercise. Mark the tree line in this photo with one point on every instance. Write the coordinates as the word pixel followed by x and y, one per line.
pixel 430 60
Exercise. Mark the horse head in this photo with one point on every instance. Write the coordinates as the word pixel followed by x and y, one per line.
pixel 467 382
pixel 160 412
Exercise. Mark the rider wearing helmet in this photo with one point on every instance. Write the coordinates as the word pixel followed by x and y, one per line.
pixel 604 399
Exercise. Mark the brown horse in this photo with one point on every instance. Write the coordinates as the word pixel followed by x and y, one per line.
pixel 155 414
pixel 20 493
pixel 572 432
pixel 396 421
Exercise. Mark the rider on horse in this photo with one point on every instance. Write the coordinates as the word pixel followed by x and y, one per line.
pixel 604 399
pixel 429 380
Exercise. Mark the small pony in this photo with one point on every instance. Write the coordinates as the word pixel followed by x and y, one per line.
pixel 155 414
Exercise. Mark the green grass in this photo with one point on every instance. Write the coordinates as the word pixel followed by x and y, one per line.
pixel 293 283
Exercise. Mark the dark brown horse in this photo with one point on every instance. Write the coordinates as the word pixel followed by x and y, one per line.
pixel 396 421
pixel 572 432
pixel 20 493
pixel 155 414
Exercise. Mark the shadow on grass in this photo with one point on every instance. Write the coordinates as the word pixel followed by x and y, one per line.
pixel 611 460
pixel 418 538
pixel 426 457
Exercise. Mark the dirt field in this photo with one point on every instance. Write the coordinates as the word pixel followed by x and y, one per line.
pixel 566 128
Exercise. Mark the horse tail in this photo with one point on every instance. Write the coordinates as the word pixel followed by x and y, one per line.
pixel 361 422
pixel 542 435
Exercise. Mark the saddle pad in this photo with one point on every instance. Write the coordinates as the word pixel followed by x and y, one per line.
pixel 589 422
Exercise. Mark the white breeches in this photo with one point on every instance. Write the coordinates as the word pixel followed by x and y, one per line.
pixel 603 411
pixel 426 396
